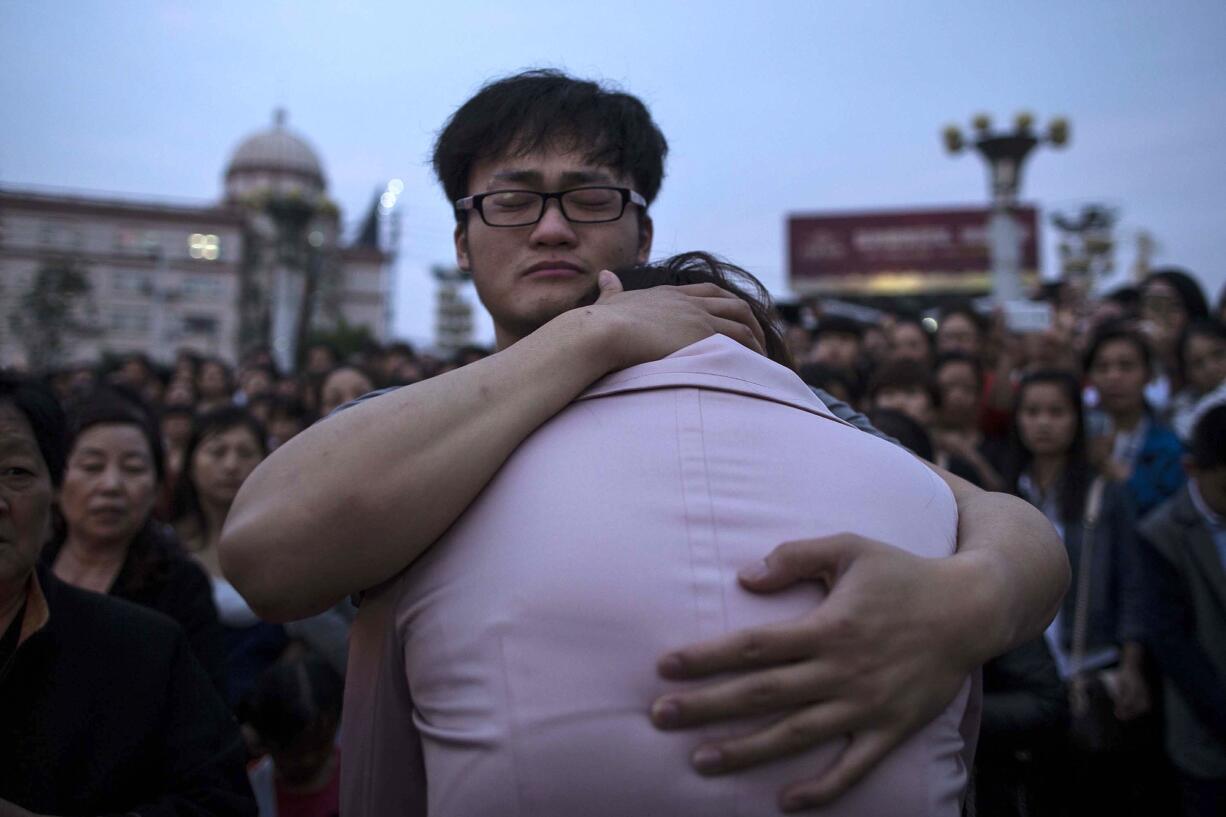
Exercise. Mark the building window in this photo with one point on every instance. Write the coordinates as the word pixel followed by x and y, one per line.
pixel 206 247
pixel 202 287
pixel 130 319
pixel 132 282
pixel 200 325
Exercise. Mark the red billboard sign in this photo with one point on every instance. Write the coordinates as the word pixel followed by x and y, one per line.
pixel 900 252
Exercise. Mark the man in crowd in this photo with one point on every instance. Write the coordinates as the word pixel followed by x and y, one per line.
pixel 1184 548
pixel 551 178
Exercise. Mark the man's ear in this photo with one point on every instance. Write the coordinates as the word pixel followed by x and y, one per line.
pixel 646 231
pixel 462 258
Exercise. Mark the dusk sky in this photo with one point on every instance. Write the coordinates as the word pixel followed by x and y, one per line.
pixel 769 107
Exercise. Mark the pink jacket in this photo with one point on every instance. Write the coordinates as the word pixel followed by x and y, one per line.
pixel 509 671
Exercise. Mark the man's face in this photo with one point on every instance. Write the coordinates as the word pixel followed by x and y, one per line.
pixel 25 500
pixel 527 276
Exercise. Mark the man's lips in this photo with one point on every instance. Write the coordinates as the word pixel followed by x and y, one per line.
pixel 553 269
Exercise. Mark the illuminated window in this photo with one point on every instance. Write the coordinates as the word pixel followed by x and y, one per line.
pixel 205 247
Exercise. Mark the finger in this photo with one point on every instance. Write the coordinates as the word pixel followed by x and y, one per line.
pixel 737 310
pixel 757 693
pixel 705 291
pixel 820 559
pixel 747 649
pixel 739 332
pixel 609 284
pixel 785 737
pixel 863 753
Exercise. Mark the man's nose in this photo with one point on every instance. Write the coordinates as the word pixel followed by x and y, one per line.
pixel 553 228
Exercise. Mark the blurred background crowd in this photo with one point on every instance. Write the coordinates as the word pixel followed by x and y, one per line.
pixel 1098 418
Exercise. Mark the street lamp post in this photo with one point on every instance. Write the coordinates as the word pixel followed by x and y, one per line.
pixel 1005 154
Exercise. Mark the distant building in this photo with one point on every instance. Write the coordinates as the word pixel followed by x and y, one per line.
pixel 264 265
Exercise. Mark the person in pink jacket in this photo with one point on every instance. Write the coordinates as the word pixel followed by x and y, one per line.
pixel 511 662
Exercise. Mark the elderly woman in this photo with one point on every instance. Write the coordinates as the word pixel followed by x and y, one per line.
pixel 108 541
pixel 103 709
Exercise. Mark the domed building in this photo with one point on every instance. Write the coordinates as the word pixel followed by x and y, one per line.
pixel 263 267
pixel 274 160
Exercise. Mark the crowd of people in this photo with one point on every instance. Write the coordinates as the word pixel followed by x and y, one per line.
pixel 166 646
pixel 1109 421
pixel 1099 422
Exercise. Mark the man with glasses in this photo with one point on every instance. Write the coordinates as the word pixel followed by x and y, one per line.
pixel 551 178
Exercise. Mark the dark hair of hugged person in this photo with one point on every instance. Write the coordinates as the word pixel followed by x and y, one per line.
pixel 704 268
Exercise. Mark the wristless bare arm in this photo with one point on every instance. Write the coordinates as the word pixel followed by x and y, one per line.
pixel 355 499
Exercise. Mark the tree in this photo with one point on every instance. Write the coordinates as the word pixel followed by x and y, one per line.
pixel 53 312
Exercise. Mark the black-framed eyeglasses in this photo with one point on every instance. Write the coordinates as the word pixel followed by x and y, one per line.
pixel 580 205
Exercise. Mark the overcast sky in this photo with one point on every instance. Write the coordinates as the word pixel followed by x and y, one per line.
pixel 769 107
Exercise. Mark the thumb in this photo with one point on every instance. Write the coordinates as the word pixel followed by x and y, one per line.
pixel 820 560
pixel 609 285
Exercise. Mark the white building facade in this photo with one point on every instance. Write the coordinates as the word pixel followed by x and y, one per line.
pixel 264 265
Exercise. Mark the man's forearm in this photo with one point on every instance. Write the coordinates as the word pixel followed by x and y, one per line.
pixel 1012 561
pixel 353 500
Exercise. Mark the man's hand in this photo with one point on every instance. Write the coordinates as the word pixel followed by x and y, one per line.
pixel 878 659
pixel 649 324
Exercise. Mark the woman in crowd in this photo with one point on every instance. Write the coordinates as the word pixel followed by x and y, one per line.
pixel 214 385
pixel 107 540
pixel 225 447
pixel 342 384
pixel 1170 300
pixel 1132 445
pixel 103 710
pixel 1095 635
pixel 1202 367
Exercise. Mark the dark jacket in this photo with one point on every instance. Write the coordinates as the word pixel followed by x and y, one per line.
pixel 105 711
pixel 157 574
pixel 1184 616
pixel 1114 614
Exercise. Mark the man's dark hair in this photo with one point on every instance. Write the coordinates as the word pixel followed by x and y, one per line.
pixel 1118 330
pixel 1208 445
pixel 36 402
pixel 903 375
pixel 704 268
pixel 526 112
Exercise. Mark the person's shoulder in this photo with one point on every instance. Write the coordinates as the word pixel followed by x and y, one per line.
pixel 103 620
